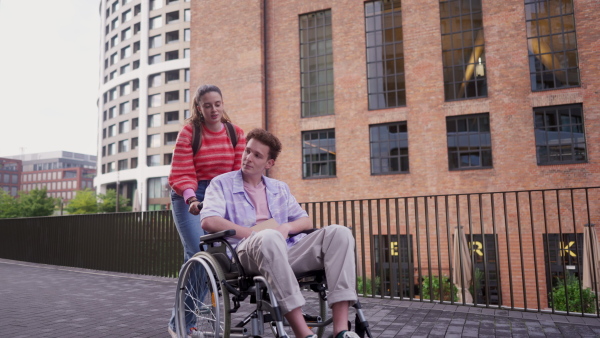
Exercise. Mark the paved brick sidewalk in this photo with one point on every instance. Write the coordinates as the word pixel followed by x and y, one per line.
pixel 49 301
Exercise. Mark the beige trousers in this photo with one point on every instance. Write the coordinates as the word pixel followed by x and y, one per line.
pixel 332 248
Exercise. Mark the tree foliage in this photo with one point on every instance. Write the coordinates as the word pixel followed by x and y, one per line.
pixel 107 202
pixel 29 204
pixel 434 283
pixel 9 206
pixel 85 202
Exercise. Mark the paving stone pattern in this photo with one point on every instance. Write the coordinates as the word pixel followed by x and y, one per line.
pixel 49 301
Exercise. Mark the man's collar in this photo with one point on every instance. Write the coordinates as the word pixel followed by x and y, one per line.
pixel 238 183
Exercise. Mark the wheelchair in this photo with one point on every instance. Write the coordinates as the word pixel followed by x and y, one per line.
pixel 212 284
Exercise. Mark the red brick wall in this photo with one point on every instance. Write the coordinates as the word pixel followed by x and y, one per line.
pixel 227 51
pixel 231 56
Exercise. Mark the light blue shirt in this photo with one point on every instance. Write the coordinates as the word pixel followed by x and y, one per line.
pixel 225 197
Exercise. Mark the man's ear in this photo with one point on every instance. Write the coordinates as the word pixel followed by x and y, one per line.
pixel 270 163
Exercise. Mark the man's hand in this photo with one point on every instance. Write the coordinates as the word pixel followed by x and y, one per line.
pixel 194 210
pixel 284 229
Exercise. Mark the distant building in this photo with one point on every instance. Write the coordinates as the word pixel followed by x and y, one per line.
pixel 143 96
pixel 62 173
pixel 10 175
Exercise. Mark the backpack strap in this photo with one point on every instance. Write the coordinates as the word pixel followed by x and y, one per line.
pixel 197 137
pixel 231 133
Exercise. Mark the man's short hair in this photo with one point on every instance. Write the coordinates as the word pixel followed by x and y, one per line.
pixel 267 139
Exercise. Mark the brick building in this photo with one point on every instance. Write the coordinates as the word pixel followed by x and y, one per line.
pixel 62 173
pixel 383 99
pixel 10 175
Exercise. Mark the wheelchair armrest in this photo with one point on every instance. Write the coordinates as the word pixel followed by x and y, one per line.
pixel 217 236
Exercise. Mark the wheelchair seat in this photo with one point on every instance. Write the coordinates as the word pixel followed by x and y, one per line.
pixel 214 278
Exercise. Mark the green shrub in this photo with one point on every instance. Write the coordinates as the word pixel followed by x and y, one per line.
pixel 369 286
pixel 475 287
pixel 433 284
pixel 575 295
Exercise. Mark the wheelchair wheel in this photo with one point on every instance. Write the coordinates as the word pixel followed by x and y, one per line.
pixel 202 305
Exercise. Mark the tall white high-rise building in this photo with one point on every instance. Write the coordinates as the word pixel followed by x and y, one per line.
pixel 143 96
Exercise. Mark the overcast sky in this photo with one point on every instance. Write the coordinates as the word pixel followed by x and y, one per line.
pixel 48 76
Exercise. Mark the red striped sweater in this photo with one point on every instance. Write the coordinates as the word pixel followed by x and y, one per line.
pixel 216 156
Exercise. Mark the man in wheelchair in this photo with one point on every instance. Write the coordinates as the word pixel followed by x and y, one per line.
pixel 241 199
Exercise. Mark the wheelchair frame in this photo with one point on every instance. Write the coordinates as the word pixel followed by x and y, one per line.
pixel 226 282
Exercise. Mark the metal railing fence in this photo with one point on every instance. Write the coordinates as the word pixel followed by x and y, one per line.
pixel 520 250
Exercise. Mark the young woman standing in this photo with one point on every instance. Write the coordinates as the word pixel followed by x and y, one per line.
pixel 217 152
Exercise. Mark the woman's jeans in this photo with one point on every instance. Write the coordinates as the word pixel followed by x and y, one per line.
pixel 189 229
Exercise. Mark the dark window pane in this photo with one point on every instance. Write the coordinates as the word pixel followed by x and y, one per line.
pixel 469 142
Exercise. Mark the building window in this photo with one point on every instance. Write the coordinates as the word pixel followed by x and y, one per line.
pixel 172 55
pixel 123 164
pixel 134 143
pixel 316 64
pixel 112 130
pixel 112 74
pixel 172 97
pixel 156 22
pixel 153 160
pixel 171 117
pixel 136 46
pixel 318 153
pixel 186 114
pixel 134 123
pixel 172 76
pixel 170 138
pixel 123 127
pixel 552 44
pixel 124 108
pixel 126 16
pixel 187 15
pixel 389 148
pixel 186 53
pixel 135 104
pixel 186 35
pixel 114 24
pixel 137 9
pixel 123 146
pixel 172 17
pixel 559 135
pixel 136 64
pixel 154 80
pixel 172 37
pixel 154 141
pixel 154 120
pixel 134 162
pixel 125 69
pixel 110 167
pixel 155 41
pixel 158 187
pixel 153 59
pixel 186 95
pixel 154 100
pixel 168 158
pixel 172 1
pixel 463 50
pixel 187 75
pixel 385 54
pixel 155 4
pixel 114 58
pixel 136 28
pixel 125 52
pixel 112 149
pixel 125 89
pixel 112 112
pixel 114 40
pixel 115 6
pixel 126 34
pixel 469 142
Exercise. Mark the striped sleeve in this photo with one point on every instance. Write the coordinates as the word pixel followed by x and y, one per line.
pixel 183 171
